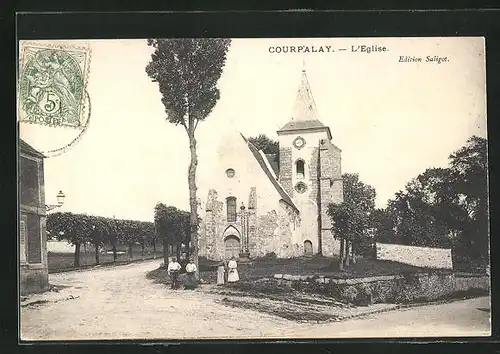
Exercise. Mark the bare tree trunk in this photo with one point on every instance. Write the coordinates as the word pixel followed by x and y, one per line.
pixel 342 253
pixel 353 254
pixel 154 249
pixel 347 253
pixel 97 254
pixel 77 254
pixel 114 253
pixel 192 194
pixel 130 258
pixel 165 251
pixel 142 251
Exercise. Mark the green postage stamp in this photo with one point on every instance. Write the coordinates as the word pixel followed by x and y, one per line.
pixel 52 84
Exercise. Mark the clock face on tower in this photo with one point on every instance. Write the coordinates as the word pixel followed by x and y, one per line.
pixel 299 142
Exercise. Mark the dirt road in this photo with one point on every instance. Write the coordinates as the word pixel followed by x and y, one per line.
pixel 120 303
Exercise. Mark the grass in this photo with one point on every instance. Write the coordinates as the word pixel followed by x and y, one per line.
pixel 262 268
pixel 59 262
pixel 327 266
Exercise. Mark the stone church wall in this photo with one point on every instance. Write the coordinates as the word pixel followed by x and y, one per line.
pixel 275 234
pixel 417 256
pixel 274 231
pixel 286 165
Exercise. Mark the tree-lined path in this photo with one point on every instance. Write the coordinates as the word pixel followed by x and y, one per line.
pixel 120 303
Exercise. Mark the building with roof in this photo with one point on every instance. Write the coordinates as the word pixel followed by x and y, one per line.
pixel 34 276
pixel 256 206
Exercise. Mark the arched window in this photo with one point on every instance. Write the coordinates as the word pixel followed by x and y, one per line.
pixel 299 169
pixel 231 209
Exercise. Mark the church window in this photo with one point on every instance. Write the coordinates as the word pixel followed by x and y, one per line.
pixel 230 172
pixel 231 209
pixel 299 167
pixel 301 187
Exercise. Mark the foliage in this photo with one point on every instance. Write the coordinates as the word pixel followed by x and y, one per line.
pixel 82 229
pixel 264 143
pixel 351 218
pixel 187 71
pixel 74 228
pixel 172 225
pixel 444 207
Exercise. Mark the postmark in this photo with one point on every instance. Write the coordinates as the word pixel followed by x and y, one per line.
pixel 52 92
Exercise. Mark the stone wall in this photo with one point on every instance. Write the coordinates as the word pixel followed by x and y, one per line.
pixel 417 256
pixel 330 246
pixel 34 279
pixel 286 167
pixel 390 289
pixel 274 231
pixel 275 234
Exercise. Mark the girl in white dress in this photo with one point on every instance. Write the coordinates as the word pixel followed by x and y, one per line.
pixel 233 271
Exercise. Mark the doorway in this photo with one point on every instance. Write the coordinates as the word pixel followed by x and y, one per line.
pixel 308 248
pixel 231 247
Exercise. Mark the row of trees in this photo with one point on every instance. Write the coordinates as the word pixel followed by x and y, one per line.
pixel 442 207
pixel 82 229
pixel 171 227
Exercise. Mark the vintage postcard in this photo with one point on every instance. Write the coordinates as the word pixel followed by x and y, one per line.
pixel 265 188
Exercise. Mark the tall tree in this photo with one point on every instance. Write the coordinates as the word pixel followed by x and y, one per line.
pixel 351 218
pixel 187 71
pixel 470 166
pixel 448 207
pixel 160 215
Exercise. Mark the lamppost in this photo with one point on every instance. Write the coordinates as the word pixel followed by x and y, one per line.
pixel 60 201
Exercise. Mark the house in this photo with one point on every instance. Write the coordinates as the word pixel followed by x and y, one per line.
pixel 32 220
pixel 255 206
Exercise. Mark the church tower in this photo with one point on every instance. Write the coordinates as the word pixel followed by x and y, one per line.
pixel 310 171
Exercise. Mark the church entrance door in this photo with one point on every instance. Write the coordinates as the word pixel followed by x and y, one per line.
pixel 308 248
pixel 232 247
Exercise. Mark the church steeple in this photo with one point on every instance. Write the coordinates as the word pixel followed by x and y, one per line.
pixel 304 114
pixel 304 108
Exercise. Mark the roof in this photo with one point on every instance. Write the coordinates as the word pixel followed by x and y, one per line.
pixel 28 149
pixel 304 114
pixel 295 125
pixel 271 158
pixel 260 159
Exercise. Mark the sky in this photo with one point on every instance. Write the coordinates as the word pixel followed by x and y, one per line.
pixel 391 119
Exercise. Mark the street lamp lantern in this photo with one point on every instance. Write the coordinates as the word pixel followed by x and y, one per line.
pixel 60 198
pixel 60 201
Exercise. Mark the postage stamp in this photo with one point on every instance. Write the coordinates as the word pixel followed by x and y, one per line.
pixel 52 84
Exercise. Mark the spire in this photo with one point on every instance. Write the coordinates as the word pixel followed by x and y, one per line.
pixel 304 108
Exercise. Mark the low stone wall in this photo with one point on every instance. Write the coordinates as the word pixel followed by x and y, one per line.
pixel 426 257
pixel 403 288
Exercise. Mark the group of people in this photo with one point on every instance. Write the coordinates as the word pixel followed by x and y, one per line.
pixel 227 272
pixel 174 269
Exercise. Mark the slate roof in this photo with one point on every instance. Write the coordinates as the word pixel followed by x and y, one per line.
pixel 294 125
pixel 260 159
pixel 302 124
pixel 28 149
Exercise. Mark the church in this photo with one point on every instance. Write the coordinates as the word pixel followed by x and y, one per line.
pixel 259 204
